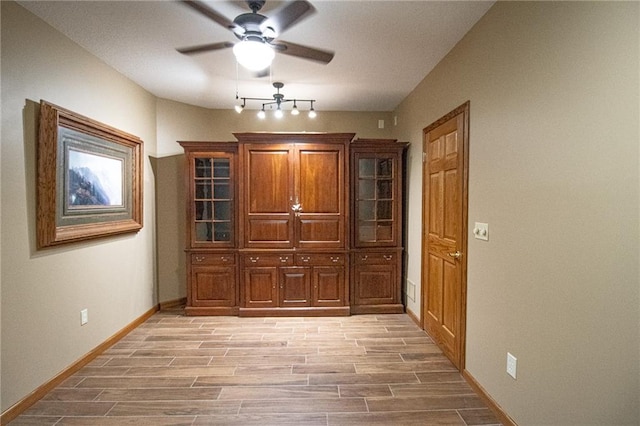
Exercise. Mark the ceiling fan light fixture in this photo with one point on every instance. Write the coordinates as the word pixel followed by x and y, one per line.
pixel 261 114
pixel 253 55
pixel 312 112
pixel 259 34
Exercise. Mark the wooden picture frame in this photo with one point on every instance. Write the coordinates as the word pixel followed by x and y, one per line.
pixel 89 179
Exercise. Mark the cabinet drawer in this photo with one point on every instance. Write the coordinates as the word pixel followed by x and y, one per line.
pixel 268 259
pixel 213 259
pixel 319 259
pixel 375 258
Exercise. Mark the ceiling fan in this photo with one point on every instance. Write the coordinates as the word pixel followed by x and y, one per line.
pixel 258 34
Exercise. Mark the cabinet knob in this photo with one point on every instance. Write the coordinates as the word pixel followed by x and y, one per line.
pixel 224 258
pixel 364 257
pixel 284 259
pixel 200 258
pixel 254 259
pixel 305 258
pixel 335 259
pixel 388 256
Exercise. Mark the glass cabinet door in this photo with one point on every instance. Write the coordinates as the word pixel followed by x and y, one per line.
pixel 213 199
pixel 375 198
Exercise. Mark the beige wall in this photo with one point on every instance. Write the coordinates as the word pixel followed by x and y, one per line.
pixel 171 220
pixel 182 122
pixel 44 291
pixel 554 149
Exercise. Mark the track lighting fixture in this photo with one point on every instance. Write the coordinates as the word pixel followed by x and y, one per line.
pixel 240 108
pixel 277 101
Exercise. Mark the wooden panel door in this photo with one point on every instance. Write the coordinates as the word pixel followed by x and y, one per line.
pixel 375 284
pixel 213 286
pixel 260 287
pixel 268 195
pixel 320 195
pixel 328 286
pixel 295 287
pixel 444 242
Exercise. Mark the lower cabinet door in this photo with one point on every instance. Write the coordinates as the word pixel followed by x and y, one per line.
pixel 375 284
pixel 328 286
pixel 283 280
pixel 213 286
pixel 295 287
pixel 260 287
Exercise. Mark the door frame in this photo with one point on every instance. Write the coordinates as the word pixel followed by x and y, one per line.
pixel 464 110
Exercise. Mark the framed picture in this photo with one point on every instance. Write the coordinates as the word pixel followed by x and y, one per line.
pixel 89 179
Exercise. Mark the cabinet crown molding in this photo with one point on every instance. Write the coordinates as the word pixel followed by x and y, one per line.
pixel 311 137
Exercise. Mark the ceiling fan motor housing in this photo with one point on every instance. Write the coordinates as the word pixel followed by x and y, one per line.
pixel 248 27
pixel 255 5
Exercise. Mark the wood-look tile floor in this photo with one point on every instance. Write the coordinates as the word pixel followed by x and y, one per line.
pixel 178 370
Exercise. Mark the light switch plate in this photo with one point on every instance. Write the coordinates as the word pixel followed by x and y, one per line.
pixel 481 231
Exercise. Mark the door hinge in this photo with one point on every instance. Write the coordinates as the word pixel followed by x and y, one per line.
pixel 424 157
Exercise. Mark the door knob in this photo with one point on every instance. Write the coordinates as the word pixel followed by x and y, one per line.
pixel 455 255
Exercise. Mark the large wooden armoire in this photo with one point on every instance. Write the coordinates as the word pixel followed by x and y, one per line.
pixel 294 224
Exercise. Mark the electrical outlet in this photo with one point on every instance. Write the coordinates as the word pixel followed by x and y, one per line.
pixel 512 363
pixel 84 316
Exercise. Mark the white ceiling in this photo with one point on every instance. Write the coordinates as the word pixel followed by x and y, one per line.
pixel 383 49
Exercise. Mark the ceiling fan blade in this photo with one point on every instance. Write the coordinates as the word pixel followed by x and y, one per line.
pixel 311 53
pixel 288 15
pixel 205 47
pixel 205 10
